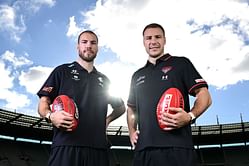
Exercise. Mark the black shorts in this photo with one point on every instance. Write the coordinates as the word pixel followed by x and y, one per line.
pixel 78 156
pixel 165 157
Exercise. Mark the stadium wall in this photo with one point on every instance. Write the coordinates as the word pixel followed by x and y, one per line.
pixel 216 145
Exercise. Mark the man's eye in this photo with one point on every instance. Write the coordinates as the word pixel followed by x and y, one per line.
pixel 148 38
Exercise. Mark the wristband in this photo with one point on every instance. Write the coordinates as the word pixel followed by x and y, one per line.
pixel 193 117
pixel 47 117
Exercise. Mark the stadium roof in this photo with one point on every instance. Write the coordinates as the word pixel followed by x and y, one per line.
pixel 18 125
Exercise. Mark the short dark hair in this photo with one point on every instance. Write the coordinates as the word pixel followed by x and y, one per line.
pixel 87 31
pixel 154 25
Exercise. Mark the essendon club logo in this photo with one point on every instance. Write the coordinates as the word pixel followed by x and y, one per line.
pixel 166 69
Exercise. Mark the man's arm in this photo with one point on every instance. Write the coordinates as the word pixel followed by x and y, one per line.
pixel 44 106
pixel 132 126
pixel 202 102
pixel 116 113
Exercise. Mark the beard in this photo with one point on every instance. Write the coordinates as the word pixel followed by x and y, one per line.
pixel 87 56
pixel 155 50
pixel 155 54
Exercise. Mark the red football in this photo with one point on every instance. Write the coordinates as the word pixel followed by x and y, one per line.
pixel 172 97
pixel 65 103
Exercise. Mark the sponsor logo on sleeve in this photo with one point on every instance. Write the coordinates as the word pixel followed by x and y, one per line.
pixel 47 89
pixel 199 80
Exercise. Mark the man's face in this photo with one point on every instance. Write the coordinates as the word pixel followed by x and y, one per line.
pixel 87 47
pixel 154 41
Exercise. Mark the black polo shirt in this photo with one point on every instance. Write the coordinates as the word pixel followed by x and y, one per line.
pixel 90 93
pixel 147 86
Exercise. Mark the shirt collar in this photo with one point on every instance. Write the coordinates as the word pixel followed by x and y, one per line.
pixel 163 58
pixel 79 67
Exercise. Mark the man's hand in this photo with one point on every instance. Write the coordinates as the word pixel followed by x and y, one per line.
pixel 62 120
pixel 134 138
pixel 177 120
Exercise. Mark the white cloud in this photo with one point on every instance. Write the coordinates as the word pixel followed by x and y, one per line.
pixel 6 78
pixel 12 17
pixel 73 29
pixel 32 6
pixel 33 79
pixel 213 39
pixel 7 16
pixel 12 80
pixel 49 3
pixel 8 22
pixel 16 61
pixel 13 100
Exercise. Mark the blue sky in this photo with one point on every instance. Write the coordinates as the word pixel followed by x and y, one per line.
pixel 38 35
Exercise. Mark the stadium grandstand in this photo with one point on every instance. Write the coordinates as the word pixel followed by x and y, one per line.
pixel 25 141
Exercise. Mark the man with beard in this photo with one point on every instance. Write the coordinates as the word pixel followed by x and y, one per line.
pixel 172 145
pixel 86 145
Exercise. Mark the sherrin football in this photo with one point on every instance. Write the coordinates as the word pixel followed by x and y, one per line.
pixel 65 103
pixel 172 97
